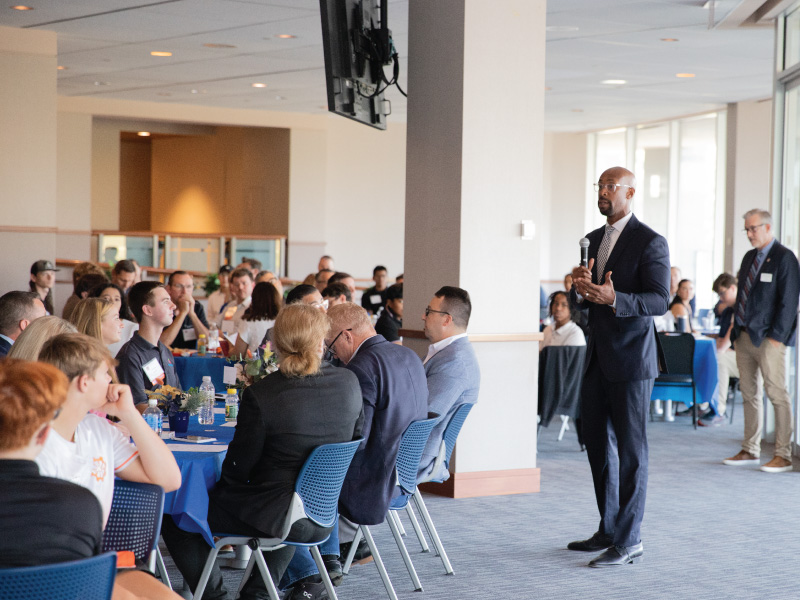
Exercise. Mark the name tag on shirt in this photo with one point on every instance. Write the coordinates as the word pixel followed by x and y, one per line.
pixel 229 312
pixel 766 277
pixel 189 334
pixel 375 299
pixel 154 372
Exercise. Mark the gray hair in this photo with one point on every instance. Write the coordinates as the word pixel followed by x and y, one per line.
pixel 764 214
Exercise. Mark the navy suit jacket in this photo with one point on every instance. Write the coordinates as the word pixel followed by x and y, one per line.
pixel 454 378
pixel 771 310
pixel 5 347
pixel 394 393
pixel 626 342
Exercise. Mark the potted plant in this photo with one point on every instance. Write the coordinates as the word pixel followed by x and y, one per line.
pixel 177 405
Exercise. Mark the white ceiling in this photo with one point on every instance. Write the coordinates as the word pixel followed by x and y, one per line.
pixel 105 46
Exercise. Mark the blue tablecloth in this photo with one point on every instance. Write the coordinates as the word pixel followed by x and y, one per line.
pixel 191 370
pixel 200 470
pixel 705 376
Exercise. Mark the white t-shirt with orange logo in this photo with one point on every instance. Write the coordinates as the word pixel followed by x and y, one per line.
pixel 100 451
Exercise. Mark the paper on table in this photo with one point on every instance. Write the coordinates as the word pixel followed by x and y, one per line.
pixel 219 411
pixel 229 424
pixel 197 447
pixel 229 375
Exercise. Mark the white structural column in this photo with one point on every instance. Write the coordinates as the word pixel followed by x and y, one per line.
pixel 474 174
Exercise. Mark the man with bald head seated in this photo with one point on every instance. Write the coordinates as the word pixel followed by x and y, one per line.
pixel 624 286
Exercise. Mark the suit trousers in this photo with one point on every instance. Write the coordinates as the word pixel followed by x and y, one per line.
pixel 726 368
pixel 769 361
pixel 614 426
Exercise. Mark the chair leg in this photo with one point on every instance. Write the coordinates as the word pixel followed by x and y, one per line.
pixel 437 543
pixel 399 523
pixel 398 538
pixel 162 569
pixel 323 572
pixel 378 562
pixel 201 585
pixel 352 553
pixel 417 529
pixel 265 575
pixel 694 407
pixel 564 426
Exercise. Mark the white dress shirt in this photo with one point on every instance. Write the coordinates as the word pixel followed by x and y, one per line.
pixel 441 345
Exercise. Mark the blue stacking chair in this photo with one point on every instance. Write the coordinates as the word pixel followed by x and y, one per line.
pixel 316 497
pixel 135 523
pixel 446 450
pixel 679 357
pixel 412 444
pixel 85 579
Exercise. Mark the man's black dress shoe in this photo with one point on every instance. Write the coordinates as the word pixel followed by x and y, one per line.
pixel 599 541
pixel 619 555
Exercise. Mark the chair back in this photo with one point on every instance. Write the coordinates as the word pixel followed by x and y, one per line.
pixel 412 444
pixel 320 480
pixel 135 520
pixel 678 353
pixel 85 579
pixel 452 430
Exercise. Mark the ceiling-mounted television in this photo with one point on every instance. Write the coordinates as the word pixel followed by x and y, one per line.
pixel 357 44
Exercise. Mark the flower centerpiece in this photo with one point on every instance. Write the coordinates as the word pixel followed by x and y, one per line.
pixel 250 369
pixel 177 405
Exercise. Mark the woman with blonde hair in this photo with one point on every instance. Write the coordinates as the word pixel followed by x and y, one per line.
pixel 30 342
pixel 305 404
pixel 98 318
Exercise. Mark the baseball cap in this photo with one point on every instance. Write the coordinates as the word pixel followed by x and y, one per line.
pixel 42 265
pixel 225 269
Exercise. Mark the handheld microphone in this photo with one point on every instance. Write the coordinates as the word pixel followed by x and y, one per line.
pixel 584 243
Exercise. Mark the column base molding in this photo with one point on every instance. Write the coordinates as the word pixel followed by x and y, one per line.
pixel 486 483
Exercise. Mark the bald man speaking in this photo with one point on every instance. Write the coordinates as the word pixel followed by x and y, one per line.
pixel 625 285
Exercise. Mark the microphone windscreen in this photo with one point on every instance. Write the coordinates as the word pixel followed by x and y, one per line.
pixel 584 242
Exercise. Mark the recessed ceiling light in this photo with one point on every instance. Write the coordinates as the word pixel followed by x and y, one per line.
pixel 577 110
pixel 614 82
pixel 61 68
pixel 160 53
pixel 285 36
pixel 547 88
pixel 219 46
pixel 22 7
pixel 195 92
pixel 143 133
pixel 259 85
pixel 561 28
pixel 669 39
pixel 101 83
pixel 280 97
pixel 684 75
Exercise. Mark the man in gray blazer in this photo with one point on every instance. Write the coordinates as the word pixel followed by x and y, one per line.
pixel 451 368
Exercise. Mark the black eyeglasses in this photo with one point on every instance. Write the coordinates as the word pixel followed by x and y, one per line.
pixel 330 352
pixel 429 310
pixel 752 229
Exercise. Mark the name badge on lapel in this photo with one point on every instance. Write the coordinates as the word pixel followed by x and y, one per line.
pixel 766 277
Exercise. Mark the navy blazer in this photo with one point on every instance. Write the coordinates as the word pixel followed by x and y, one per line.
pixel 771 309
pixel 626 341
pixel 395 393
pixel 5 347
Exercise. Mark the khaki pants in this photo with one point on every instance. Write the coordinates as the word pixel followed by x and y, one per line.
pixel 726 368
pixel 769 361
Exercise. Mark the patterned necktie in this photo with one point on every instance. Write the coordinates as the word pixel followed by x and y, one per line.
pixel 748 285
pixel 602 254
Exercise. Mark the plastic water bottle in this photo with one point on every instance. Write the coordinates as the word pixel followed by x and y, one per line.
pixel 152 416
pixel 202 344
pixel 213 338
pixel 231 405
pixel 206 412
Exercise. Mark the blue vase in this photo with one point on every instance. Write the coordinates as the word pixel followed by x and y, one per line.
pixel 179 423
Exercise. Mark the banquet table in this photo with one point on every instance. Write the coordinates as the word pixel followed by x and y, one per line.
pixel 191 369
pixel 705 376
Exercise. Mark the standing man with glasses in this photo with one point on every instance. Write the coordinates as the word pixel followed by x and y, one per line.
pixel 625 285
pixel 765 321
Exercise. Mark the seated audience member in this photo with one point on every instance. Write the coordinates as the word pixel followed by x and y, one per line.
pixel 391 319
pixel 326 263
pixel 306 403
pixel 257 319
pixel 242 289
pixel 189 320
pixel 321 279
pixel 36 335
pixel 306 294
pixel 563 331
pixel 568 282
pixel 59 521
pixel 345 278
pixel 399 278
pixel 451 367
pixel 270 277
pixel 124 275
pixel 145 362
pixel 395 393
pixel 17 311
pixel 220 297
pixel 98 318
pixel 374 299
pixel 337 293
pixel 113 293
pixel 43 278
pixel 88 450
pixel 79 292
pixel 137 271
pixel 726 288
pixel 251 264
pixel 680 306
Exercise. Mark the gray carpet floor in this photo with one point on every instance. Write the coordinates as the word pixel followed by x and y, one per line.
pixel 710 531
